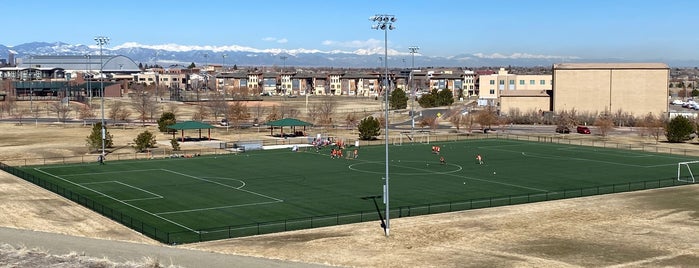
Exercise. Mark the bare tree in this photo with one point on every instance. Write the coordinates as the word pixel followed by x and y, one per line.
pixel 487 117
pixel 322 112
pixel 238 113
pixel 84 111
pixel 456 120
pixel 286 111
pixel 118 111
pixel 351 120
pixel 218 105
pixel 142 101
pixel 9 106
pixel 62 110
pixel 201 113
pixel 274 114
pixel 653 125
pixel 429 121
pixel 257 111
pixel 566 119
pixel 174 108
pixel 604 123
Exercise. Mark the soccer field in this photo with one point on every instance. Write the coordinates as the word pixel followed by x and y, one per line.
pixel 179 200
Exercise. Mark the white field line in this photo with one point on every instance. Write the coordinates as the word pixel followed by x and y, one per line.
pixel 117 200
pixel 224 185
pixel 157 196
pixel 214 208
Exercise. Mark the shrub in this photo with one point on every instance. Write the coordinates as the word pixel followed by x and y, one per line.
pixel 678 129
pixel 369 128
pixel 144 140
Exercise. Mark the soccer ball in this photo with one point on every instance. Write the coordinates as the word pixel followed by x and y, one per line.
pixel 493 172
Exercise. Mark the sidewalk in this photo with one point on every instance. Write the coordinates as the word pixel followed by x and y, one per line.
pixel 119 251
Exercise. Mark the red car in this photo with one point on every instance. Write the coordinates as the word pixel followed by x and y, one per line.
pixel 583 130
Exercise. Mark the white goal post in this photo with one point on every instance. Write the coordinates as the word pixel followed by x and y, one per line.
pixel 684 171
pixel 418 137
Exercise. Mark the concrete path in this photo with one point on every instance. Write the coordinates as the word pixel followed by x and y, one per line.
pixel 120 251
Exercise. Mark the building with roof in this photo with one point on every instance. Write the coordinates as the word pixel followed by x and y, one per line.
pixel 634 88
pixel 494 86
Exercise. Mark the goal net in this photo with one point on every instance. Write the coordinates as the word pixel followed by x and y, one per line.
pixel 418 137
pixel 685 172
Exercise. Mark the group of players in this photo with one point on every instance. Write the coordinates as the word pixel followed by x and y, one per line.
pixel 437 149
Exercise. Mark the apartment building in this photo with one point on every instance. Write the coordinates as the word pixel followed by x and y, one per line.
pixel 514 91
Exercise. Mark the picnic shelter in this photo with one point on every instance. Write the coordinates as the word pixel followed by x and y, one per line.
pixel 188 125
pixel 287 122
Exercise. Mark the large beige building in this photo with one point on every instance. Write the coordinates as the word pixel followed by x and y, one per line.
pixel 635 88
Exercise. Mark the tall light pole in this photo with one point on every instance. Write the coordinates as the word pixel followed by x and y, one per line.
pixel 413 50
pixel 385 22
pixel 284 59
pixel 87 77
pixel 223 67
pixel 31 81
pixel 101 41
pixel 206 71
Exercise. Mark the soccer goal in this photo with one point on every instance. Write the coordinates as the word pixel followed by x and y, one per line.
pixel 684 171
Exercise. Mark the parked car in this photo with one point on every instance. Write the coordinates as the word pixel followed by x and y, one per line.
pixel 677 102
pixel 583 130
pixel 224 122
pixel 562 129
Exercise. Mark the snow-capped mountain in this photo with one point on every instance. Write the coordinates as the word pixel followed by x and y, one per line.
pixel 170 54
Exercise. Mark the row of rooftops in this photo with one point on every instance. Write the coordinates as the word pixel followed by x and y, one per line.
pixel 124 65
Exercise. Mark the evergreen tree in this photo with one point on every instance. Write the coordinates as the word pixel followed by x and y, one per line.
pixel 191 66
pixel 144 140
pixel 398 99
pixel 369 128
pixel 678 129
pixel 167 119
pixel 94 140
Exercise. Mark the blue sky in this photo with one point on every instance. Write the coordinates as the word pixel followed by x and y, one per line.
pixel 624 29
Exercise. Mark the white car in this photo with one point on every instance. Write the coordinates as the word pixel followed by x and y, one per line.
pixel 677 102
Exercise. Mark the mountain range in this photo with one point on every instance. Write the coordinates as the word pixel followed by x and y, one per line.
pixel 168 55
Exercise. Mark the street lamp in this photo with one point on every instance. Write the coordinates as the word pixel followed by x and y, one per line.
pixel 223 68
pixel 101 41
pixel 284 59
pixel 413 50
pixel 31 90
pixel 385 23
pixel 87 77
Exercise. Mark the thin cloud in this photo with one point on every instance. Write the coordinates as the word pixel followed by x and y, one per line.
pixel 521 56
pixel 276 40
pixel 365 44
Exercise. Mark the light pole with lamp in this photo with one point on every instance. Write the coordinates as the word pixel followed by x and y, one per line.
pixel 31 81
pixel 385 23
pixel 223 68
pixel 413 50
pixel 284 59
pixel 101 41
pixel 87 77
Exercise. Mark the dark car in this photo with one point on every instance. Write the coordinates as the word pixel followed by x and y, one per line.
pixel 562 129
pixel 583 130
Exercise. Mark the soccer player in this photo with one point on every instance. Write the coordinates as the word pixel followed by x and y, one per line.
pixel 441 160
pixel 480 159
pixel 356 153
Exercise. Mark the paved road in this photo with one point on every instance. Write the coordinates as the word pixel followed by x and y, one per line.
pixel 120 251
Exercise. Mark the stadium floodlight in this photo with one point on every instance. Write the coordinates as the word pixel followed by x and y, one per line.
pixel 385 23
pixel 413 50
pixel 102 41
